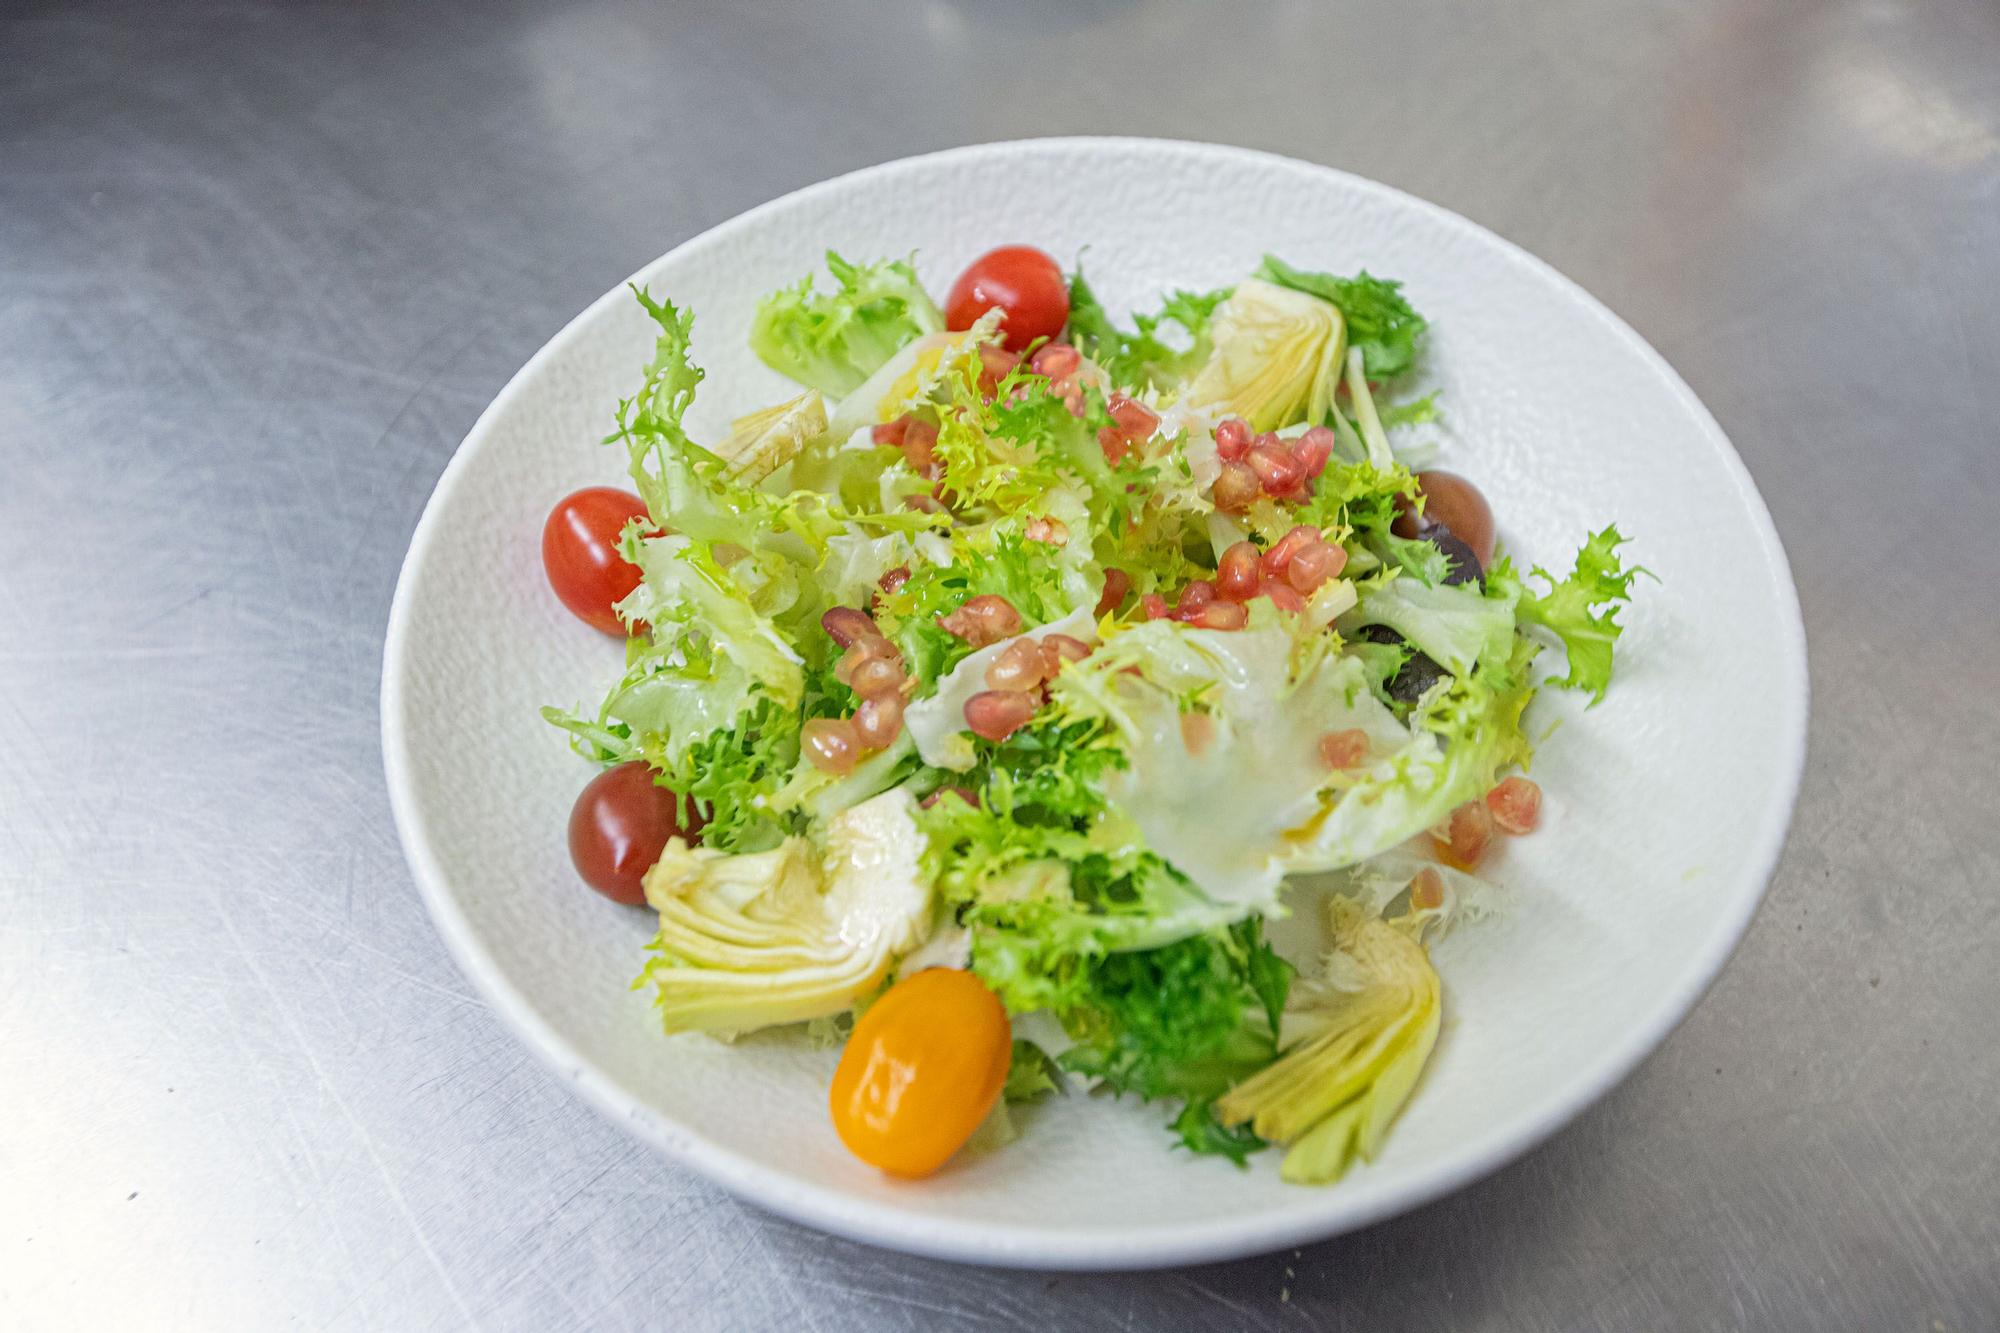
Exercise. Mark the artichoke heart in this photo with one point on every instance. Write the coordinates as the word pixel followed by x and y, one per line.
pixel 765 441
pixel 1355 1042
pixel 1276 358
pixel 763 938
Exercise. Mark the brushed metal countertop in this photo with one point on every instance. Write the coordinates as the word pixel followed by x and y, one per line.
pixel 261 266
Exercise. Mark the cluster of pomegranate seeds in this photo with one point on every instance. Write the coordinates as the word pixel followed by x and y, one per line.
pixel 1132 424
pixel 1017 677
pixel 873 668
pixel 983 620
pixel 1514 807
pixel 1264 465
pixel 1292 570
pixel 1059 362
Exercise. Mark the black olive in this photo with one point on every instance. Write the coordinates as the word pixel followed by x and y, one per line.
pixel 1464 561
pixel 1415 676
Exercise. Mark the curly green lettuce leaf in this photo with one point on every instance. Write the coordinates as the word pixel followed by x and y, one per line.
pixel 1462 737
pixel 1182 1022
pixel 1380 322
pixel 1143 359
pixel 1032 1076
pixel 688 596
pixel 1416 412
pixel 1456 625
pixel 1582 610
pixel 836 340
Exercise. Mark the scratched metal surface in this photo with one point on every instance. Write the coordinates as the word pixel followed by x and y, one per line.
pixel 261 266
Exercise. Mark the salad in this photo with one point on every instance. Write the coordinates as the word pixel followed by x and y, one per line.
pixel 984 700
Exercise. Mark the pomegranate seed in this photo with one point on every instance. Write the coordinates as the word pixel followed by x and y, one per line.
pixel 891 432
pixel 997 714
pixel 831 745
pixel 1232 439
pixel 1312 449
pixel 1283 595
pixel 919 444
pixel 865 650
pixel 1427 890
pixel 982 620
pixel 1313 564
pixel 1194 597
pixel 1236 574
pixel 1277 471
pixel 1516 805
pixel 965 794
pixel 1117 584
pixel 893 581
pixel 1197 732
pixel 925 504
pixel 848 626
pixel 1073 399
pixel 1236 488
pixel 995 364
pixel 1056 360
pixel 1154 605
pixel 1222 615
pixel 1467 832
pixel 1058 649
pixel 1114 444
pixel 877 678
pixel 1018 667
pixel 1344 749
pixel 1048 531
pixel 1134 417
pixel 1288 546
pixel 879 720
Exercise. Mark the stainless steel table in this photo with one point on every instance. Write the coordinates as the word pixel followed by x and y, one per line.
pixel 261 265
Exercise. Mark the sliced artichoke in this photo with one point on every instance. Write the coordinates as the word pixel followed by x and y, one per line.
pixel 782 936
pixel 765 441
pixel 1356 1043
pixel 1276 358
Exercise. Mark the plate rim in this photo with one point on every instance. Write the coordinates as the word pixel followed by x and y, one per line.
pixel 1320 1215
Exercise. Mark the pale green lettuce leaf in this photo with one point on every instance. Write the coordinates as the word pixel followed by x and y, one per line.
pixel 834 341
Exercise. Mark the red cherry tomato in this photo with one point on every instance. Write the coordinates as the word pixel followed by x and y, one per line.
pixel 1026 284
pixel 580 553
pixel 619 827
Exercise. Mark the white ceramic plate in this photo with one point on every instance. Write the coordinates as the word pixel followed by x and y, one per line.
pixel 1667 804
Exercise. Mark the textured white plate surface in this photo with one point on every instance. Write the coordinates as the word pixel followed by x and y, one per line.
pixel 1667 804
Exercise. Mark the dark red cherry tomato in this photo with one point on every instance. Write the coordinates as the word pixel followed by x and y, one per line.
pixel 580 553
pixel 1025 283
pixel 619 827
pixel 1456 503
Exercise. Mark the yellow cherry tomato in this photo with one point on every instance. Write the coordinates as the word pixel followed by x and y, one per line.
pixel 923 1068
